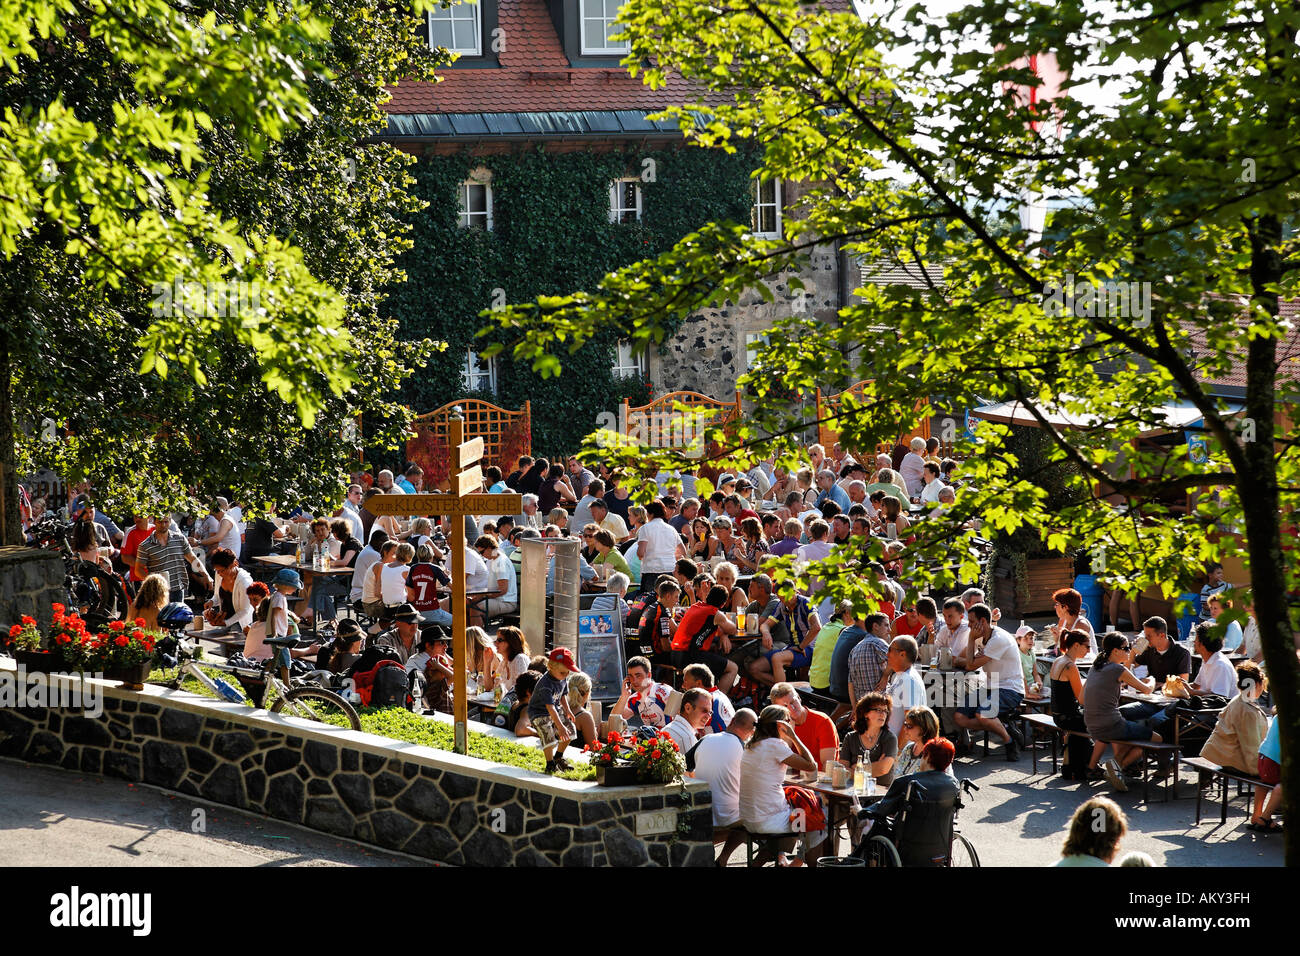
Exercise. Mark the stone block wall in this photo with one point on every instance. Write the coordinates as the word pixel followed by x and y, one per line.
pixel 30 581
pixel 420 801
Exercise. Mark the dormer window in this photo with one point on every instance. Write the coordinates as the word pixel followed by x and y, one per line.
pixel 598 25
pixel 457 27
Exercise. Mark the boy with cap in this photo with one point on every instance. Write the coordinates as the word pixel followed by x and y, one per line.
pixel 548 709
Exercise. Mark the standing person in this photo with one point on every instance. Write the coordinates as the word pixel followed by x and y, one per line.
pixel 1095 831
pixel 717 762
pixel 1270 771
pixel 548 709
pixel 913 466
pixel 1000 659
pixel 142 527
pixel 1215 583
pixel 285 583
pixel 167 552
pixel 658 547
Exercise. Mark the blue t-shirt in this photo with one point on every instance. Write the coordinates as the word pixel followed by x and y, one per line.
pixel 849 639
pixel 836 494
pixel 1271 745
pixel 1232 637
pixel 548 691
pixel 405 485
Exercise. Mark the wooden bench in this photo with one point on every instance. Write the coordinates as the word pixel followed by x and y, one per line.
pixel 1045 722
pixel 1223 774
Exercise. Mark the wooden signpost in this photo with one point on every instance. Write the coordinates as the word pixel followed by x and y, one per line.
pixel 467 499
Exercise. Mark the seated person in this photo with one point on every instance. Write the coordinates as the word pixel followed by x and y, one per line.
pixel 772 749
pixel 692 720
pixel 871 739
pixel 437 667
pixel 658 622
pixel 717 761
pixel 612 601
pixel 643 697
pixel 346 649
pixel 802 624
pixel 930 796
pixel 1240 730
pixel 1101 695
pixel 517 717
pixel 584 721
pixel 702 638
pixel 698 675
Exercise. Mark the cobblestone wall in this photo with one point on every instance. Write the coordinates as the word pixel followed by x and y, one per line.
pixel 419 801
pixel 30 581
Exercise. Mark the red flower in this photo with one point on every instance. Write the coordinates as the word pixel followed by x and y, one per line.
pixel 117 626
pixel 137 634
pixel 122 640
pixel 28 620
pixel 58 608
pixel 139 622
pixel 656 753
pixel 605 758
pixel 665 734
pixel 15 630
pixel 613 737
pixel 63 638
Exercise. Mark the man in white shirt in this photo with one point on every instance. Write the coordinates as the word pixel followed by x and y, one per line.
pixel 582 510
pixel 817 548
pixel 717 761
pixel 905 688
pixel 658 546
pixel 365 561
pixel 954 634
pixel 1217 675
pixel 692 720
pixel 602 516
pixel 1000 659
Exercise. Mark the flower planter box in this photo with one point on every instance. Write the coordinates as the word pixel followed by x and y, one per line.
pixel 132 678
pixel 616 776
pixel 37 662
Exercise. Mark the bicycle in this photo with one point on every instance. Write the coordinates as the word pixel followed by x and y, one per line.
pixel 295 699
pixel 880 851
pixel 99 596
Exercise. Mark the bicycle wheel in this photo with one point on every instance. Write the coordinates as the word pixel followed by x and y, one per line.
pixel 881 852
pixel 963 853
pixel 317 703
pixel 99 595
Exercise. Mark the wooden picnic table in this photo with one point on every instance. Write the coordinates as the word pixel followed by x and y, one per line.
pixel 837 799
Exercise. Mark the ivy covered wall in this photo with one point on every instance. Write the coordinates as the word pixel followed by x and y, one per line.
pixel 550 235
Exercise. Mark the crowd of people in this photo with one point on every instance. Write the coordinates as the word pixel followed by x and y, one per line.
pixel 752 685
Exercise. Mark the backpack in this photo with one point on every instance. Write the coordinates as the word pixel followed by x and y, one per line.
pixel 370 658
pixel 384 685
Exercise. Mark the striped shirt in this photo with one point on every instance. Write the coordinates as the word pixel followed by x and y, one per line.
pixel 168 558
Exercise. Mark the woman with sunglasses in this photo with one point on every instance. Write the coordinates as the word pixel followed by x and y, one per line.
pixel 511 660
pixel 920 726
pixel 1101 713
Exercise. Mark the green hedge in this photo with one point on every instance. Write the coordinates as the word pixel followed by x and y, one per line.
pixel 551 235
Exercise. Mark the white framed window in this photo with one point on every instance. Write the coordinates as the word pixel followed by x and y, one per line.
pixel 627 365
pixel 625 200
pixel 598 25
pixel 457 28
pixel 476 205
pixel 754 341
pixel 479 374
pixel 767 208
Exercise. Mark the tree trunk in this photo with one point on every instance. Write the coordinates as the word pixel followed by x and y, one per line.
pixel 11 529
pixel 1258 489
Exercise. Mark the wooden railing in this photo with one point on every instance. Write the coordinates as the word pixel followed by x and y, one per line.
pixel 506 435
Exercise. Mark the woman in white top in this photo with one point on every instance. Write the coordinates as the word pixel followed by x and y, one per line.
pixel 512 659
pixel 773 748
pixel 392 578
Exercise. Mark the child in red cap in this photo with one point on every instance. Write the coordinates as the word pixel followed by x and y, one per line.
pixel 548 709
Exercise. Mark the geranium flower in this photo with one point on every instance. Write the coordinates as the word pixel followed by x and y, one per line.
pixel 15 630
pixel 58 608
pixel 117 626
pixel 27 619
pixel 656 754
pixel 139 622
pixel 122 640
pixel 137 635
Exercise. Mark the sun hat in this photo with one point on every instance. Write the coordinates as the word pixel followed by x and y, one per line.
pixel 287 577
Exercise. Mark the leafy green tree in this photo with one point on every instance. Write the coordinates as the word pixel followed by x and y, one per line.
pixel 1181 191
pixel 191 188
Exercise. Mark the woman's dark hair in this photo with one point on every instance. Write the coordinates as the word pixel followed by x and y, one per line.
pixel 258 589
pixel 343 645
pixel 868 703
pixel 1249 675
pixel 223 558
pixel 555 471
pixel 891 507
pixel 708 529
pixel 1070 638
pixel 83 532
pixel 514 639
pixel 1111 642
pixel 768 724
pixel 751 529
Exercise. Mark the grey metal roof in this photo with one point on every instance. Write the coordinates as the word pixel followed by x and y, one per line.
pixel 451 126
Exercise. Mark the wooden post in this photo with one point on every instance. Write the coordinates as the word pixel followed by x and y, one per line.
pixel 460 704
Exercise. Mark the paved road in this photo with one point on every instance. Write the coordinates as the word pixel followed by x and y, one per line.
pixel 52 817
pixel 1016 819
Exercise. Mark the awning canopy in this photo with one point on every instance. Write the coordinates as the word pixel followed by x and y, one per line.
pixel 1162 418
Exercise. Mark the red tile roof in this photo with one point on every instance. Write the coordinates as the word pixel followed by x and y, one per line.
pixel 1288 351
pixel 535 76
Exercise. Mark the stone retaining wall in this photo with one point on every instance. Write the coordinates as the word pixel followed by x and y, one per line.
pixel 429 803
pixel 30 581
